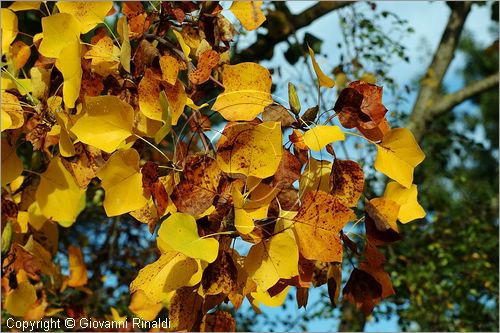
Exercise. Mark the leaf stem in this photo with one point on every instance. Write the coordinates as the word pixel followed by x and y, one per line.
pixel 153 146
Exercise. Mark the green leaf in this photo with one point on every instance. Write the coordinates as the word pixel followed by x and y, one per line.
pixel 293 98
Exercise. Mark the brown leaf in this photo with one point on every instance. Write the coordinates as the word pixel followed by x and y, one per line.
pixel 220 276
pixel 184 308
pixel 149 54
pixel 196 192
pixel 206 62
pixel 349 243
pixel 363 290
pixel 37 136
pixel 376 133
pixel 302 297
pixel 318 224
pixel 219 321
pixel 380 221
pixel 288 170
pixel 277 112
pixel 150 174
pixel 334 278
pixel 360 105
pixel 84 165
pixel 160 197
pixel 347 181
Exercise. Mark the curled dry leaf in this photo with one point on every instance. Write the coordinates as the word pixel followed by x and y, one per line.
pixel 360 105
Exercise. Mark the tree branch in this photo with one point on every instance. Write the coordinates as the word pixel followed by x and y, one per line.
pixel 430 84
pixel 263 48
pixel 449 101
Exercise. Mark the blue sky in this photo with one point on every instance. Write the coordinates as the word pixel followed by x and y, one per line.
pixel 428 20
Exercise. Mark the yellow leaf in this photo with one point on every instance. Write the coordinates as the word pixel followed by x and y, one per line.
pixel 59 31
pixel 88 13
pixel 21 85
pixel 25 5
pixel 22 222
pixel 323 80
pixel 180 232
pixel 177 99
pixel 248 13
pixel 14 111
pixel 316 176
pixel 243 221
pixel 125 51
pixel 318 224
pixel 6 120
pixel 185 48
pixel 19 300
pixel 397 155
pixel 247 91
pixel 11 164
pixel 9 28
pixel 273 259
pixel 116 316
pixel 149 95
pixel 66 147
pixel 318 137
pixel 143 307
pixel 384 212
pixel 249 149
pixel 263 297
pixel 171 271
pixel 70 67
pixel 169 68
pixel 106 123
pixel 58 195
pixel 77 269
pixel 40 82
pixel 409 209
pixel 35 217
pixel 104 62
pixel 20 53
pixel 122 183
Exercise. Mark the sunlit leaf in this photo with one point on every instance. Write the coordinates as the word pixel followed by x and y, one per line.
pixel 106 122
pixel 397 155
pixel 247 91
pixel 122 183
pixel 180 232
pixel 324 81
pixel 248 13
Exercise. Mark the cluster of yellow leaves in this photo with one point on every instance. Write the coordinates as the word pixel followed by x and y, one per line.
pixel 243 187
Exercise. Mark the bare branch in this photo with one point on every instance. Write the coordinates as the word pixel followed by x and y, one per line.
pixel 263 48
pixel 430 84
pixel 452 100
